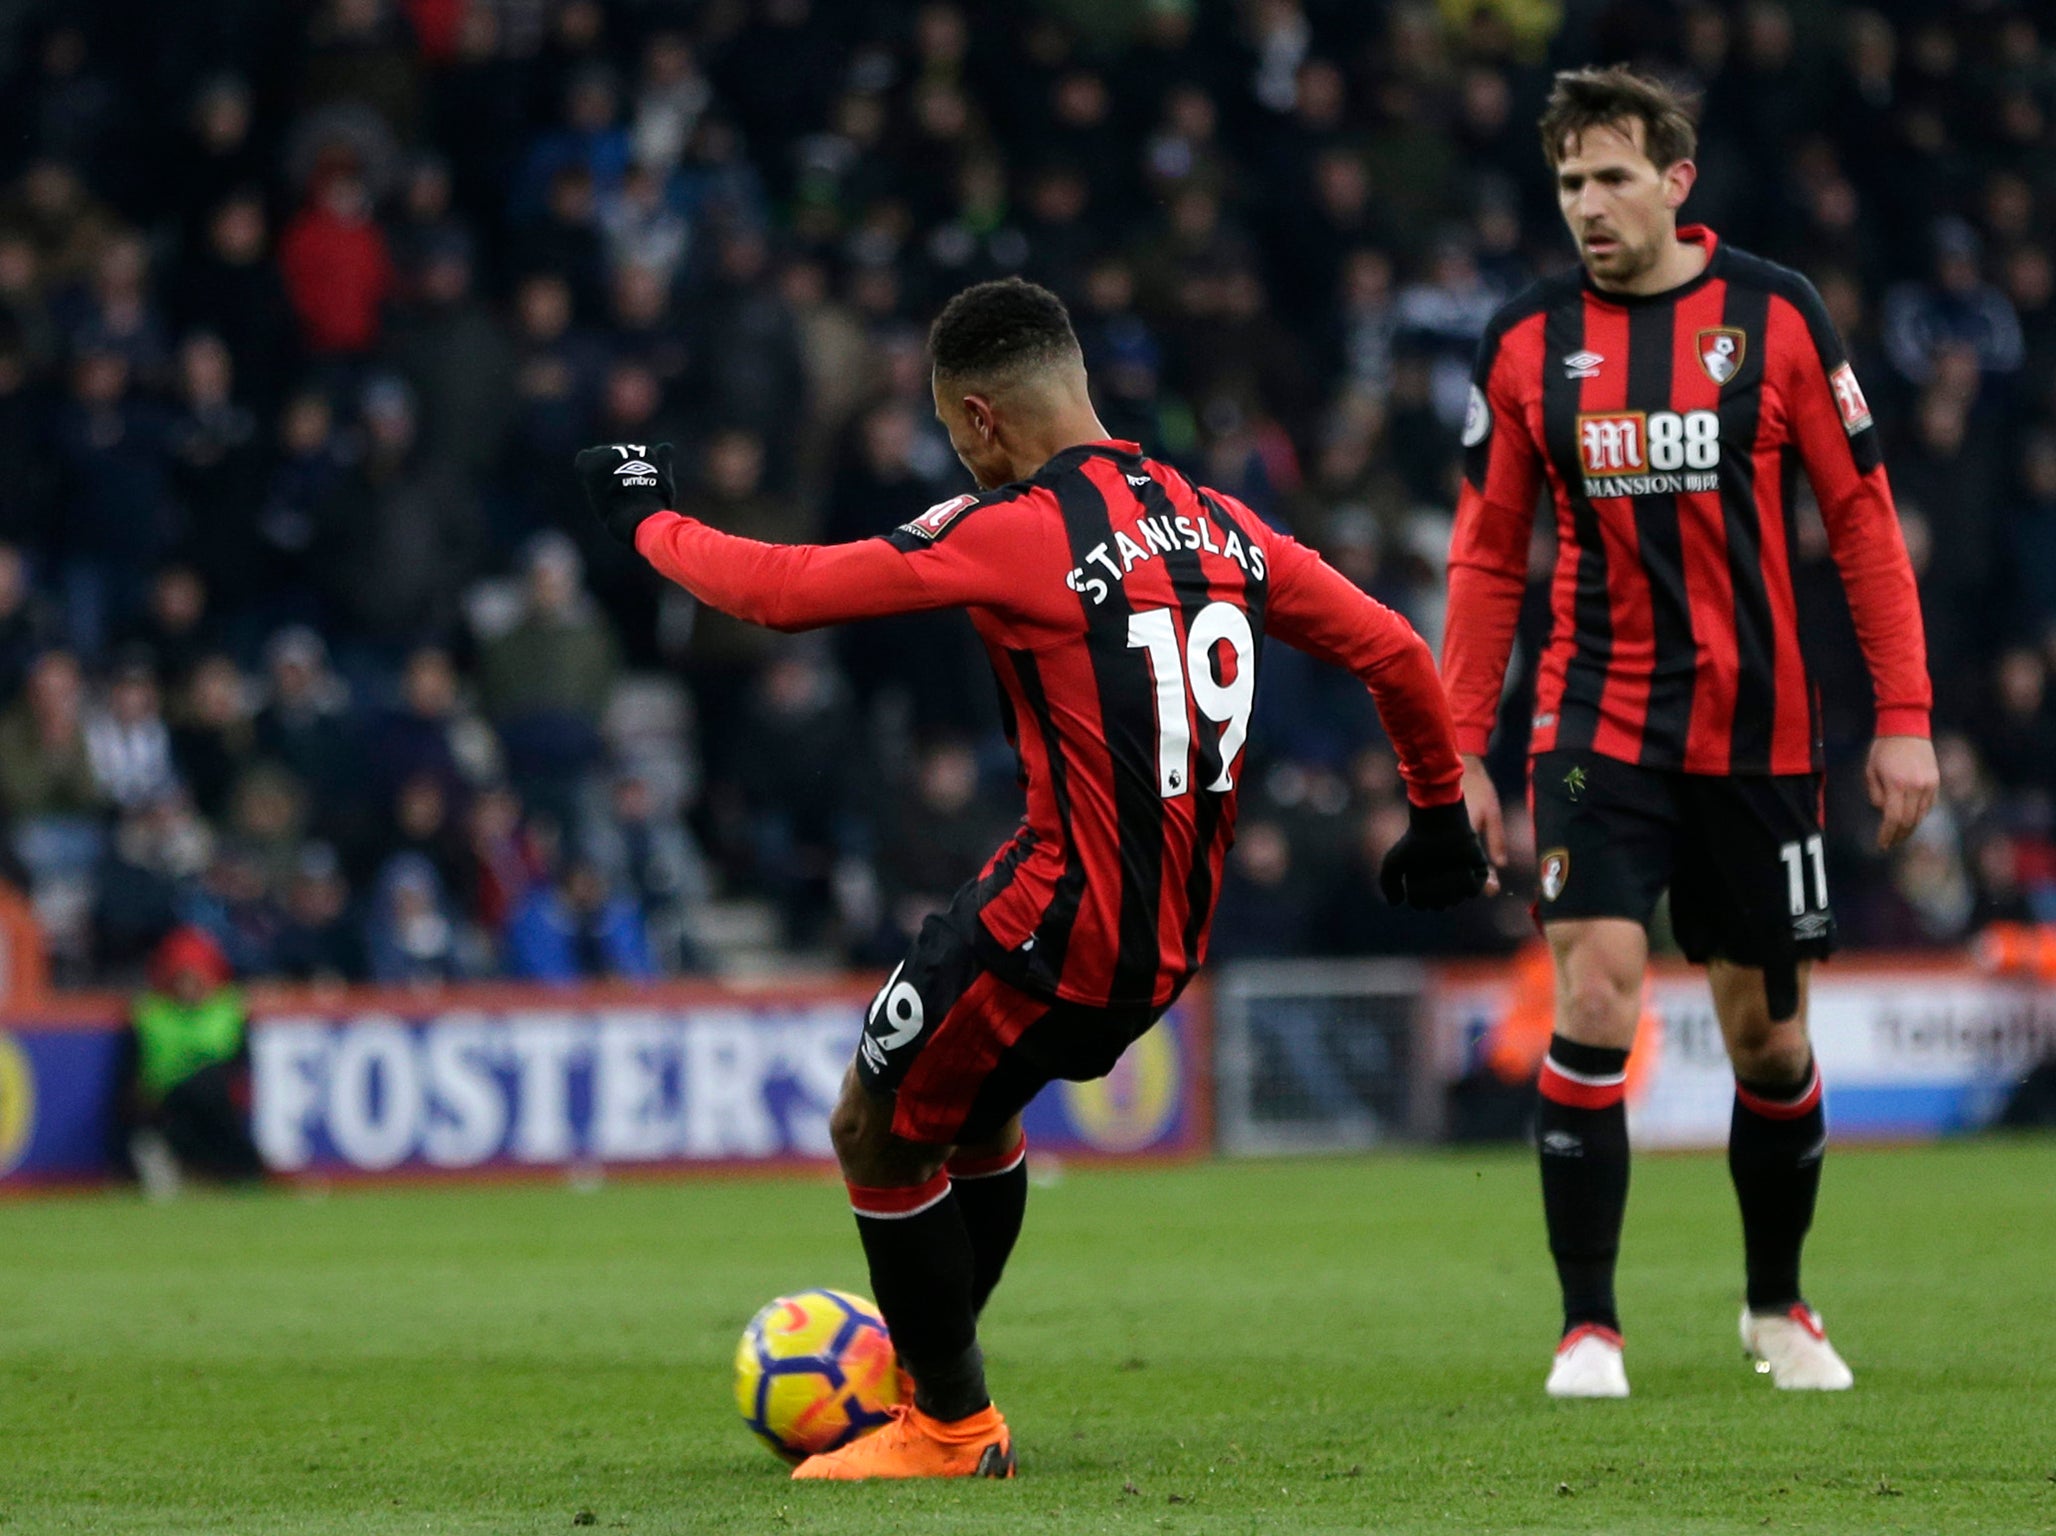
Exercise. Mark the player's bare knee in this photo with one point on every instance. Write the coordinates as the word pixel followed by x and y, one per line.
pixel 1597 1010
pixel 1599 967
pixel 1761 1048
pixel 1598 1001
pixel 1778 1054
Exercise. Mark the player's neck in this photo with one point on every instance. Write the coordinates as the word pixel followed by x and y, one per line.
pixel 1681 261
pixel 1070 430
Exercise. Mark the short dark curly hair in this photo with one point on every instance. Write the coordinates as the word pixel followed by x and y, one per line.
pixel 1000 327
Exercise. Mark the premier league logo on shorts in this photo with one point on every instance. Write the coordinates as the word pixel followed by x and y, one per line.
pixel 1720 352
pixel 1556 869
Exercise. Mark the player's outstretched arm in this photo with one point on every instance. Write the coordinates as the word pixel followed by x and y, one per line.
pixel 781 586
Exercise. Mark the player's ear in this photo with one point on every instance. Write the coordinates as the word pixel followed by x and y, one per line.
pixel 979 409
pixel 1677 184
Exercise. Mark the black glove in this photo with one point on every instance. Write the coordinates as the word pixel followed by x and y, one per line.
pixel 625 484
pixel 1438 863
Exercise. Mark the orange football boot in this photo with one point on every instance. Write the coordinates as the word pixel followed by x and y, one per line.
pixel 914 1445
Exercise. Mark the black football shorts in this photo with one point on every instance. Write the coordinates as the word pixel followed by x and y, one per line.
pixel 961 1051
pixel 1741 856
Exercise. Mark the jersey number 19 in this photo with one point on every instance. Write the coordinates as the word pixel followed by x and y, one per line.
pixel 1226 703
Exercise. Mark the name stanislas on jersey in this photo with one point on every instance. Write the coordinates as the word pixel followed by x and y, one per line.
pixel 1161 535
pixel 1662 453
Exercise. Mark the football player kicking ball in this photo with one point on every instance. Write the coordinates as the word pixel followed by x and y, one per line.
pixel 1124 610
pixel 1663 395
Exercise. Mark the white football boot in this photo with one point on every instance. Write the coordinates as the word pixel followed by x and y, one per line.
pixel 1588 1364
pixel 1792 1348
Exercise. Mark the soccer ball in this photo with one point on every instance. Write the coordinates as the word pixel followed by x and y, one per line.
pixel 814 1371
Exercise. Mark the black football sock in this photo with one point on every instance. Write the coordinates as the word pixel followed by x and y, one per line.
pixel 992 1193
pixel 1581 1132
pixel 922 1271
pixel 1775 1142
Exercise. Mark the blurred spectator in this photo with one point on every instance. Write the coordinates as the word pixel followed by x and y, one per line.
pixel 790 790
pixel 314 455
pixel 731 495
pixel 120 520
pixel 26 624
pixel 942 832
pixel 669 99
pixel 1266 904
pixel 213 738
pixel 186 1090
pixel 116 315
pixel 655 860
pixel 306 727
pixel 2018 727
pixel 45 768
pixel 1955 307
pixel 156 854
pixel 432 734
pixel 745 346
pixel 127 741
pixel 64 223
pixel 459 359
pixel 218 155
pixel 338 271
pixel 399 534
pixel 218 469
pixel 28 492
pixel 317 941
pixel 577 928
pixel 1440 321
pixel 175 631
pixel 590 142
pixel 544 683
pixel 2031 540
pixel 359 52
pixel 231 288
pixel 410 931
pixel 564 239
pixel 501 858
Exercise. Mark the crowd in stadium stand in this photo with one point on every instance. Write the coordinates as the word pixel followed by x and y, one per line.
pixel 305 306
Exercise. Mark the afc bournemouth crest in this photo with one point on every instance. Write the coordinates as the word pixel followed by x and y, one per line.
pixel 1720 352
pixel 1556 869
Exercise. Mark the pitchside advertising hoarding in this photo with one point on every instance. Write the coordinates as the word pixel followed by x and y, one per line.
pixel 512 1081
pixel 1907 1050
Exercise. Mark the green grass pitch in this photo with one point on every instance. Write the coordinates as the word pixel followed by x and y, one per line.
pixel 1302 1346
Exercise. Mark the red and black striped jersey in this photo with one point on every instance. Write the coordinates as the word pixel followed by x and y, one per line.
pixel 1670 430
pixel 1124 610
